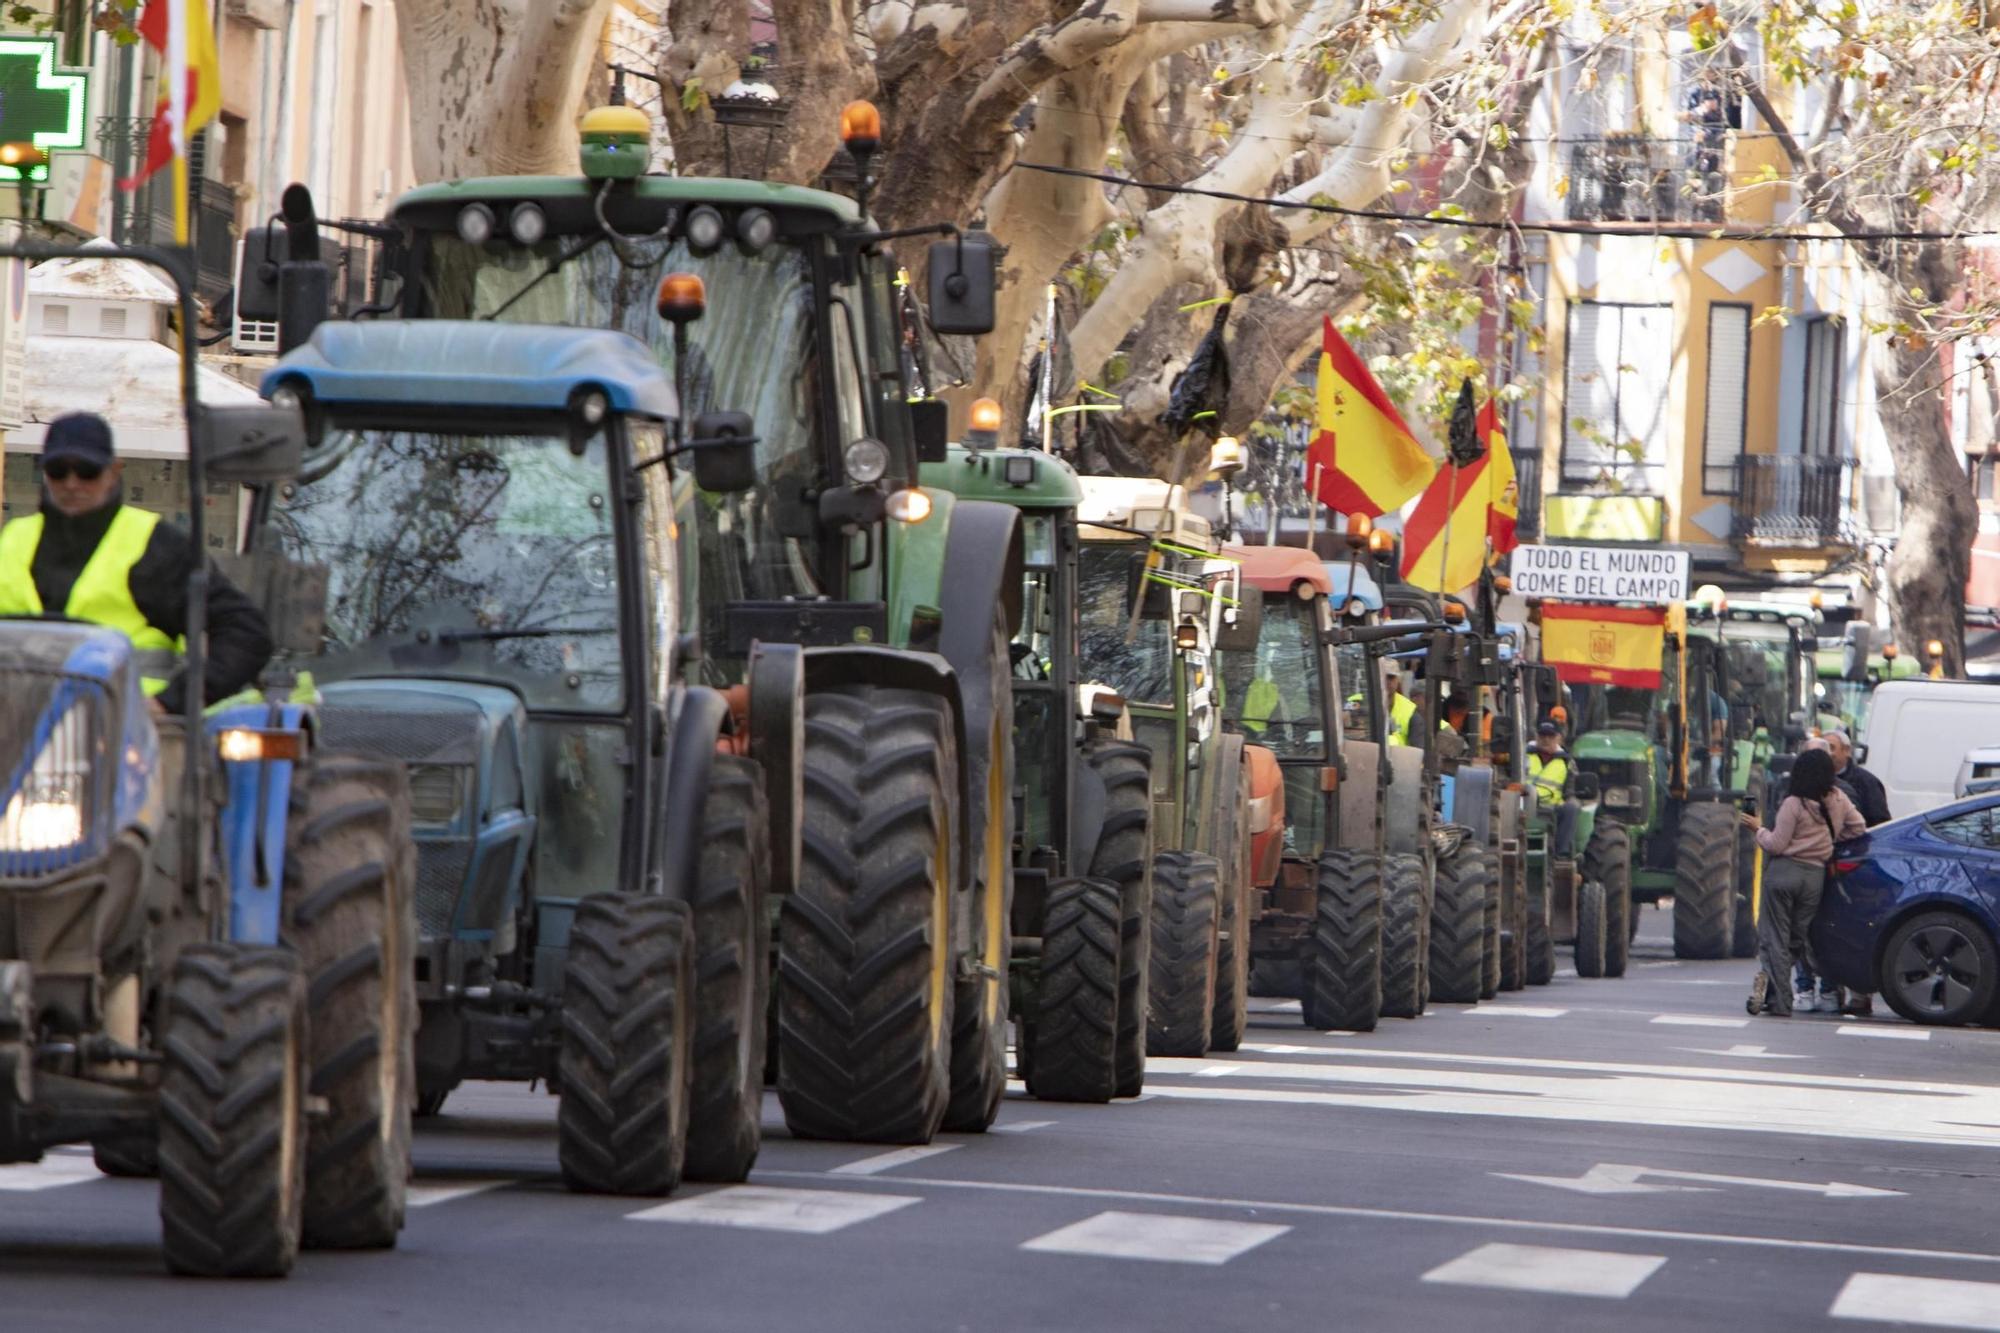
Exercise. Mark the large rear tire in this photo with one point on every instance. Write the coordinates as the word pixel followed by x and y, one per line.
pixel 349 914
pixel 1073 1040
pixel 1743 933
pixel 1403 935
pixel 979 1002
pixel 1591 938
pixel 1186 920
pixel 865 940
pixel 1541 951
pixel 1458 925
pixel 1608 861
pixel 232 1140
pixel 1232 949
pixel 1343 982
pixel 626 1068
pixel 1705 881
pixel 1489 949
pixel 732 974
pixel 1124 856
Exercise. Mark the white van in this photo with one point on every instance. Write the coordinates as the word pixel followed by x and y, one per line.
pixel 1919 732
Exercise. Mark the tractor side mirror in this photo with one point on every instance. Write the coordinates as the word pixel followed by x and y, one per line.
pixel 1243 622
pixel 964 275
pixel 252 445
pixel 725 452
pixel 1856 643
pixel 930 429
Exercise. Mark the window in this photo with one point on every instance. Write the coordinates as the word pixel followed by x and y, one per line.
pixel 1615 395
pixel 1820 436
pixel 1728 396
pixel 1975 828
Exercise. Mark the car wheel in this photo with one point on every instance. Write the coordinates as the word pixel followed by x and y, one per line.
pixel 1941 968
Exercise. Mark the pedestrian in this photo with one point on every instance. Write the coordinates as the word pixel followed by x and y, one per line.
pixel 1813 817
pixel 90 556
pixel 1870 797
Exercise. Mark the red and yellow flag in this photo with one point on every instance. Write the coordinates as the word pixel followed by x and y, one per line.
pixel 1365 457
pixel 1472 503
pixel 1604 645
pixel 190 90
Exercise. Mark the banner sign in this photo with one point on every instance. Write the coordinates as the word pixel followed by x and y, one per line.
pixel 1602 573
pixel 1604 645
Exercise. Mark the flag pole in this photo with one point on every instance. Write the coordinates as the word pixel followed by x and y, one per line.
pixel 1312 511
pixel 176 75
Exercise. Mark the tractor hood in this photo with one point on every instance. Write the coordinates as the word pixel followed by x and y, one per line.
pixel 1612 745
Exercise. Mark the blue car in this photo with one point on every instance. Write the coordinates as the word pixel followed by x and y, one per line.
pixel 1913 911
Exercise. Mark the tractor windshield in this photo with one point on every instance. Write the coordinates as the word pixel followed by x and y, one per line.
pixel 1133 653
pixel 1615 708
pixel 1358 720
pixel 487 556
pixel 1758 671
pixel 1275 695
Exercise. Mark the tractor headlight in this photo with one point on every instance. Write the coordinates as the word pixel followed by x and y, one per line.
pixel 704 229
pixel 46 812
pixel 476 224
pixel 1620 798
pixel 866 460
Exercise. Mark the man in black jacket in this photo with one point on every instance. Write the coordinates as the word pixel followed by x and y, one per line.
pixel 1869 797
pixel 89 556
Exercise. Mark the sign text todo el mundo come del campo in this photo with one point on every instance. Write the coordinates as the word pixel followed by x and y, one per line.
pixel 1602 573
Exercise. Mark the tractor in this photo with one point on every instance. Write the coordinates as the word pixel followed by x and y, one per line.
pixel 1848 673
pixel 1082 903
pixel 205 920
pixel 1156 604
pixel 778 312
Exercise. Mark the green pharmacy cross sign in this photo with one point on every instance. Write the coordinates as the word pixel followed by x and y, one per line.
pixel 39 103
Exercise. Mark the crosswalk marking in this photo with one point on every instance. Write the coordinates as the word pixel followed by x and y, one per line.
pixel 60 1167
pixel 764 1208
pixel 421 1195
pixel 1883 1030
pixel 1156 1237
pixel 1930 1301
pixel 1544 1268
pixel 1699 1021
pixel 1515 1011
pixel 1019 1126
pixel 889 1161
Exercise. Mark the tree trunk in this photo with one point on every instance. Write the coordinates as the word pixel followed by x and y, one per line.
pixel 1932 558
pixel 495 85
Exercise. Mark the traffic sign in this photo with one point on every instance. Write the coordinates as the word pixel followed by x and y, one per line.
pixel 1654 575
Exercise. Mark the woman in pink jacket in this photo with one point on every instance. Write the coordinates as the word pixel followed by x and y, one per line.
pixel 1811 819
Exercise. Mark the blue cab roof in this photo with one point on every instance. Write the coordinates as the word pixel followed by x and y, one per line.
pixel 461 363
pixel 1365 588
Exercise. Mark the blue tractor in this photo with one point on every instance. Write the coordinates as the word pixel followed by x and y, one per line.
pixel 205 931
pixel 491 574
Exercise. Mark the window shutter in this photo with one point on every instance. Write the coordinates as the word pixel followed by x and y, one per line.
pixel 1728 389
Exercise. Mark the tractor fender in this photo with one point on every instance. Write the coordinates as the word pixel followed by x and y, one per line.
pixel 1086 814
pixel 1403 804
pixel 777 727
pixel 1267 814
pixel 257 801
pixel 1360 796
pixel 903 669
pixel 699 716
pixel 1472 804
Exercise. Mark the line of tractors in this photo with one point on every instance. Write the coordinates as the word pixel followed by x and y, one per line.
pixel 664 709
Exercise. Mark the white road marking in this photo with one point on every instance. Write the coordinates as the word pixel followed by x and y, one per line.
pixel 1569 972
pixel 1019 1126
pixel 1281 1007
pixel 1613 1178
pixel 60 1167
pixel 1883 1030
pixel 1167 1065
pixel 1603 1273
pixel 1261 1206
pixel 762 1208
pixel 1218 1071
pixel 1738 1100
pixel 1744 1053
pixel 1699 1021
pixel 1931 1301
pixel 1515 1011
pixel 1153 1236
pixel 421 1195
pixel 1660 962
pixel 889 1161
pixel 1700 981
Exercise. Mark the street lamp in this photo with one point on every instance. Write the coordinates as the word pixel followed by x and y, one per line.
pixel 1225 460
pixel 24 158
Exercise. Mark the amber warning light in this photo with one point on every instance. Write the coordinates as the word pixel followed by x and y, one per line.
pixel 860 127
pixel 682 297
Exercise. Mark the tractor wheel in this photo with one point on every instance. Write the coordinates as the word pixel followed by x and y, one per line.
pixel 1705 881
pixel 979 1004
pixel 233 1090
pixel 1608 861
pixel 1743 933
pixel 1402 935
pixel 1072 1044
pixel 350 880
pixel 1232 951
pixel 625 1071
pixel 1513 926
pixel 865 942
pixel 1124 856
pixel 1458 926
pixel 1489 949
pixel 1186 919
pixel 1541 951
pixel 732 974
pixel 1590 929
pixel 1343 982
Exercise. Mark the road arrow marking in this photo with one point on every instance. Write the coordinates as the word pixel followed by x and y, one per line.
pixel 1611 1178
pixel 1743 1052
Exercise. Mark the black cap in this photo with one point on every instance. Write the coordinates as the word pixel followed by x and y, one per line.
pixel 1548 729
pixel 83 437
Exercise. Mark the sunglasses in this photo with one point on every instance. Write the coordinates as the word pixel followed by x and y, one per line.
pixel 62 470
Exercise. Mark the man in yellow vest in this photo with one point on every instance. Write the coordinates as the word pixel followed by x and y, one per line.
pixel 1402 708
pixel 90 556
pixel 1549 770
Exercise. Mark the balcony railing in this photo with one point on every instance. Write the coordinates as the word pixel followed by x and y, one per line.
pixel 1794 500
pixel 145 216
pixel 1622 178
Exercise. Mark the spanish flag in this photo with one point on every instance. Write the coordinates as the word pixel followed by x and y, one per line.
pixel 190 91
pixel 1604 645
pixel 1364 457
pixel 1473 503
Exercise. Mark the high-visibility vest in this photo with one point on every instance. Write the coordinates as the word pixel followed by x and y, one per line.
pixel 102 593
pixel 1402 712
pixel 1549 778
pixel 1260 702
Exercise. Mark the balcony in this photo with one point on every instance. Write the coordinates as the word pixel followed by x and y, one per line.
pixel 1794 500
pixel 145 216
pixel 1627 178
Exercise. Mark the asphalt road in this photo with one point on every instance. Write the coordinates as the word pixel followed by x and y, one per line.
pixel 1637 1151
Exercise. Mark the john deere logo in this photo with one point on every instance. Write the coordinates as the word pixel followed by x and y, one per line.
pixel 1603 646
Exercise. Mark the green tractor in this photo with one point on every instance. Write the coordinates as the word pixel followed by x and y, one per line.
pixel 779 317
pixel 1156 604
pixel 1083 858
pixel 1848 674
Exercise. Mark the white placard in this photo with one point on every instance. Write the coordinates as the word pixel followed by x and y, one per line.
pixel 1653 574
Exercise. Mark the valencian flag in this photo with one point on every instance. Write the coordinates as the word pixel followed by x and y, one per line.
pixel 190 92
pixel 1368 461
pixel 1471 498
pixel 1604 645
